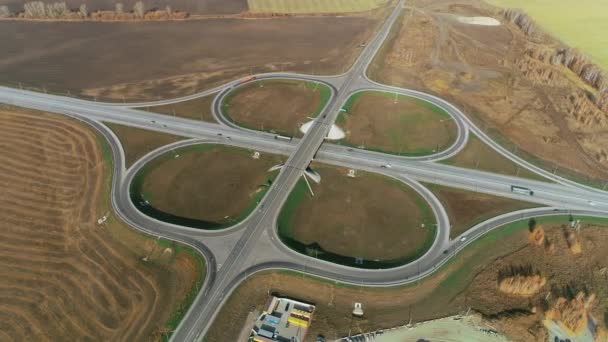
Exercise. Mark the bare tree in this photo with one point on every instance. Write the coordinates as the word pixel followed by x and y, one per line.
pixel 83 11
pixel 34 9
pixel 57 10
pixel 119 8
pixel 169 10
pixel 4 12
pixel 139 9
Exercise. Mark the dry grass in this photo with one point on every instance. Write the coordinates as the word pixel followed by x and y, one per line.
pixel 469 281
pixel 370 217
pixel 75 57
pixel 396 124
pixel 208 7
pixel 313 6
pixel 63 276
pixel 496 76
pixel 138 142
pixel 454 289
pixel 197 109
pixel 211 183
pixel 466 208
pixel 477 155
pixel 280 106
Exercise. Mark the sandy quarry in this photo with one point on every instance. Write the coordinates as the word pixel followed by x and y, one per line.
pixel 516 83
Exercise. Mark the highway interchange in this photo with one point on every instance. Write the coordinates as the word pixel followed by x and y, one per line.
pixel 235 253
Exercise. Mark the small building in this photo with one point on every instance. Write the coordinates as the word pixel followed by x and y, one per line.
pixel 283 320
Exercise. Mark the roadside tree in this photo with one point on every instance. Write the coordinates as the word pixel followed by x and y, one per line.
pixel 139 9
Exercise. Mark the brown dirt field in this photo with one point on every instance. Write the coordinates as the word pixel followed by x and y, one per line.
pixel 492 75
pixel 62 56
pixel 197 109
pixel 477 155
pixel 207 182
pixel 137 142
pixel 193 7
pixel 399 125
pixel 466 208
pixel 370 216
pixel 453 290
pixel 64 277
pixel 277 105
pixel 567 274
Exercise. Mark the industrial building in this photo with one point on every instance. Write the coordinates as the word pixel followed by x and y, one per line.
pixel 283 320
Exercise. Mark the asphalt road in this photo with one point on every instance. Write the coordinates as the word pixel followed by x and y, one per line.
pixel 233 254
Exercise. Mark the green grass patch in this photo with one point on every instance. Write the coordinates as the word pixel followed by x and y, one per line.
pixel 325 93
pixel 106 150
pixel 182 308
pixel 582 24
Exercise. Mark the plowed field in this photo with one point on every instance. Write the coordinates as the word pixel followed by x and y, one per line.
pixel 208 7
pixel 64 56
pixel 64 277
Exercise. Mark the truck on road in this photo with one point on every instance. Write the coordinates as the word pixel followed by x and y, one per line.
pixel 282 137
pixel 521 190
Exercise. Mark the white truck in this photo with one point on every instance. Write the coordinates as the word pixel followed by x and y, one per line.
pixel 521 190
pixel 282 137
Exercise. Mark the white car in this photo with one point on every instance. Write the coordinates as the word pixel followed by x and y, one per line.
pixel 463 239
pixel 386 166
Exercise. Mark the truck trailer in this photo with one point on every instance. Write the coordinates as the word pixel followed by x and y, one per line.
pixel 521 190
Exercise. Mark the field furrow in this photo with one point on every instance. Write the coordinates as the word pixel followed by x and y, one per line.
pixel 63 277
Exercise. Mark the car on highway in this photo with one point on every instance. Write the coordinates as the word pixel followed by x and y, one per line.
pixel 386 166
pixel 463 238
